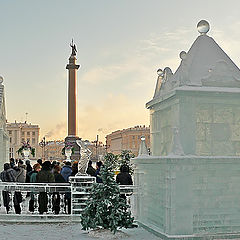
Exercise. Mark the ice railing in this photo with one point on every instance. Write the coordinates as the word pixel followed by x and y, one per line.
pixel 31 191
pixel 78 188
pixel 81 187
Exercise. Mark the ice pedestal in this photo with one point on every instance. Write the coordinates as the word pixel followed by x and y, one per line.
pixel 192 192
pixel 192 189
pixel 73 141
pixel 189 195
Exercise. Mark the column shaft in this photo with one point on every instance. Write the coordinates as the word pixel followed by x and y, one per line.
pixel 72 115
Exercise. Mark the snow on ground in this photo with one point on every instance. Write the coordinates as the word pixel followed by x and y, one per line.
pixel 64 231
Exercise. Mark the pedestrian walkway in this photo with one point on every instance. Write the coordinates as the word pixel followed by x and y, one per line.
pixel 62 232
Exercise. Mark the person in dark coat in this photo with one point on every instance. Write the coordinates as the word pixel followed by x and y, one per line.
pixel 90 169
pixel 56 196
pixel 66 173
pixel 7 175
pixel 21 172
pixel 74 168
pixel 33 178
pixel 28 166
pixel 12 162
pixel 124 178
pixel 44 176
pixel 97 173
pixel 40 161
pixel 53 165
pixel 21 178
pixel 58 177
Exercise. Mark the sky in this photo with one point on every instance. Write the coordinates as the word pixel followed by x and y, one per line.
pixel 121 44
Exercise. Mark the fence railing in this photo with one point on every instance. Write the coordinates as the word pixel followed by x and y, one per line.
pixel 59 198
pixel 27 196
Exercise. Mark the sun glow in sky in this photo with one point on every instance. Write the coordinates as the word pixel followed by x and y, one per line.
pixel 121 44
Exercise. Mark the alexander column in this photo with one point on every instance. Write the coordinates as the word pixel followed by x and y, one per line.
pixel 72 102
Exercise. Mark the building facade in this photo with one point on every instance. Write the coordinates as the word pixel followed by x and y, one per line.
pixel 53 150
pixel 97 148
pixel 18 133
pixel 127 139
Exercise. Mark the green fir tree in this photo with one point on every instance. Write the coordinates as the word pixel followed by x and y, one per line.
pixel 124 159
pixel 105 208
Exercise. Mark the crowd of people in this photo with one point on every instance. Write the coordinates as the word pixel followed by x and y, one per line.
pixel 40 172
pixel 47 172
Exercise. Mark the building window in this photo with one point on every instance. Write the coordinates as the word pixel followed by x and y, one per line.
pixel 33 133
pixel 28 133
pixel 10 132
pixel 10 149
pixel 33 140
pixel 28 139
pixel 10 140
pixel 22 139
pixel 133 137
pixel 23 133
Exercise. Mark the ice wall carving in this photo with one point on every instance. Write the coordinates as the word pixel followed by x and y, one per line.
pixel 176 144
pixel 217 130
pixel 165 82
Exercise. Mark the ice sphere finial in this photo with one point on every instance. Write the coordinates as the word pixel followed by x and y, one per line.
pixel 183 55
pixel 203 27
pixel 160 72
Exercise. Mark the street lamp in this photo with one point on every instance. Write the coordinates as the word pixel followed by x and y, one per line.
pixel 97 148
pixel 42 144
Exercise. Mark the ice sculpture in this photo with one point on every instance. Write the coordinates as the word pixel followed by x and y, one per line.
pixel 85 156
pixel 189 186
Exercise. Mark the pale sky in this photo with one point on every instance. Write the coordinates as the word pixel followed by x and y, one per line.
pixel 121 44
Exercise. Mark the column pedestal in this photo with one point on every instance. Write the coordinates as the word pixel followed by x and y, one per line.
pixel 77 155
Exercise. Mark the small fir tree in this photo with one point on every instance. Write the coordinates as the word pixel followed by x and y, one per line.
pixel 105 208
pixel 112 160
pixel 124 159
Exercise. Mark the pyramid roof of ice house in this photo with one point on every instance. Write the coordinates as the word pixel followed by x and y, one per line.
pixel 205 64
pixel 205 57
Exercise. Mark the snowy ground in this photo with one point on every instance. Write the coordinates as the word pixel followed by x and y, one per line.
pixel 62 232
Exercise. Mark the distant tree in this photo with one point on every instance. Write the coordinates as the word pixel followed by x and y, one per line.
pixel 112 160
pixel 124 159
pixel 105 208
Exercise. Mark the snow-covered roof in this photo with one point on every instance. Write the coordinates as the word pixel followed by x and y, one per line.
pixel 205 64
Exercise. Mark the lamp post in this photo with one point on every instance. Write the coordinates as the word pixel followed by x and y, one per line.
pixel 106 148
pixel 42 145
pixel 97 148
